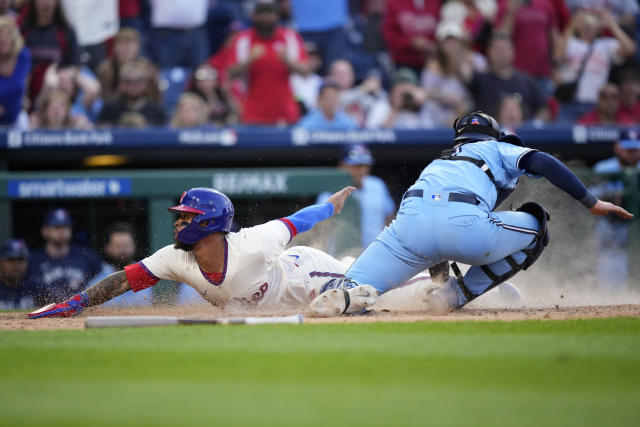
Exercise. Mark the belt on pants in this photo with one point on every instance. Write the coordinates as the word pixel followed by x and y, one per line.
pixel 453 197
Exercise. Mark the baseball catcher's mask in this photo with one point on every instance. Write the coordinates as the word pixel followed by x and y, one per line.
pixel 214 213
pixel 476 125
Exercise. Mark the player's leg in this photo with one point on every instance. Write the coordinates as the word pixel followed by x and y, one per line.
pixel 306 270
pixel 385 264
pixel 514 240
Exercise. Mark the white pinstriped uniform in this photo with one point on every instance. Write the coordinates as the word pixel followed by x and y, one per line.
pixel 257 268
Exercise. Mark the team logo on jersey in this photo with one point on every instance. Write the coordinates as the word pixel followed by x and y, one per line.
pixel 474 121
pixel 436 197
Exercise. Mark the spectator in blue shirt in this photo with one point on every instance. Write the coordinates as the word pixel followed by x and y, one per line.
pixel 327 115
pixel 60 269
pixel 14 259
pixel 15 65
pixel 376 205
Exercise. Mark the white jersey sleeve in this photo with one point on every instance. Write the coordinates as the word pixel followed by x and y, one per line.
pixel 271 237
pixel 152 269
pixel 159 264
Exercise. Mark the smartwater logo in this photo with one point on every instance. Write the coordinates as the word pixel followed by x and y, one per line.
pixel 58 188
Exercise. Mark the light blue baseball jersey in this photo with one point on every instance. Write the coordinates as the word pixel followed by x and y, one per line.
pixel 502 159
pixel 429 229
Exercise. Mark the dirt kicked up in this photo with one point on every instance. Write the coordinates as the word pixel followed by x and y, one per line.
pixel 18 320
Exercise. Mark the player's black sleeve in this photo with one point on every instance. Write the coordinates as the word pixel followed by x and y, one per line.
pixel 543 164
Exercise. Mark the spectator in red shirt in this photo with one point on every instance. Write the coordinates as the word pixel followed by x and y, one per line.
pixel 606 111
pixel 409 28
pixel 267 54
pixel 629 82
pixel 534 29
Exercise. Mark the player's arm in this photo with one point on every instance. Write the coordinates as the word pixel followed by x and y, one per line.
pixel 306 218
pixel 108 288
pixel 543 164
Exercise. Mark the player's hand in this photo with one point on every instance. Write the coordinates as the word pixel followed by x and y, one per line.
pixel 603 208
pixel 69 308
pixel 338 199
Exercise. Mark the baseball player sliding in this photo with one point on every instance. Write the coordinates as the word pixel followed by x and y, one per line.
pixel 249 266
pixel 449 214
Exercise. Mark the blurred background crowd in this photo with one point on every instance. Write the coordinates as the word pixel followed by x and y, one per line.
pixel 327 64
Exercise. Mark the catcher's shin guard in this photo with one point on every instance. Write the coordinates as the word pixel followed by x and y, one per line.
pixel 506 268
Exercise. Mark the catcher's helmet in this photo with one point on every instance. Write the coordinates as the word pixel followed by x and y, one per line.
pixel 214 209
pixel 476 125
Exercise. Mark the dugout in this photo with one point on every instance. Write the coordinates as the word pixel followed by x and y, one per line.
pixel 141 197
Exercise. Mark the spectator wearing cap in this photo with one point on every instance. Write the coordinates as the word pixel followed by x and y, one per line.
pixel 60 269
pixel 328 115
pixel 626 153
pixel 14 260
pixel 267 55
pixel 407 103
pixel 612 235
pixel 376 205
pixel 606 111
pixel 322 22
pixel 502 79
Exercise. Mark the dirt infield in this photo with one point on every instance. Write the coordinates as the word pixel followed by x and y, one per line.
pixel 18 321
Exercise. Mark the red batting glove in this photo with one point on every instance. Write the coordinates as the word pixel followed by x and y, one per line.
pixel 69 308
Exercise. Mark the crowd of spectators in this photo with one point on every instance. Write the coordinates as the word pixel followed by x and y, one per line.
pixel 83 64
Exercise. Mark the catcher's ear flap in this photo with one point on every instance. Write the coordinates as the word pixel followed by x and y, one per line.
pixel 455 123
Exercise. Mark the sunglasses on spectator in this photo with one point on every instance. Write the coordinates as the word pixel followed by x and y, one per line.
pixel 206 74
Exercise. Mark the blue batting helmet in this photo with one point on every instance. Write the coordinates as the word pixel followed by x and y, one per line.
pixel 476 125
pixel 214 213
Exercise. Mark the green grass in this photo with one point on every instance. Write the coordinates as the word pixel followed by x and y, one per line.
pixel 531 373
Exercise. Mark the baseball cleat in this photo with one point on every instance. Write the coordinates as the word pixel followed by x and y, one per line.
pixel 334 302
